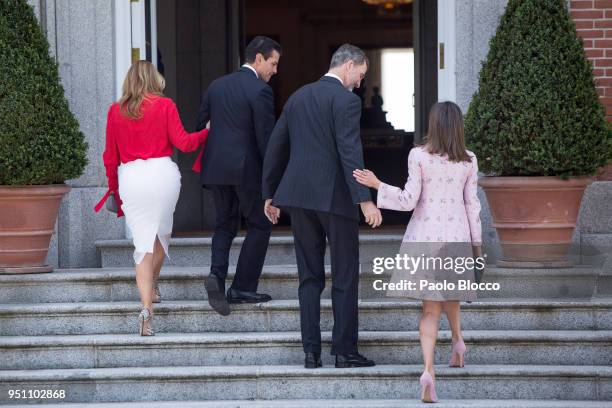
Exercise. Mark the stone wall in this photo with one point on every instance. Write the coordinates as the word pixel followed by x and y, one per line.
pixel 476 22
pixel 81 37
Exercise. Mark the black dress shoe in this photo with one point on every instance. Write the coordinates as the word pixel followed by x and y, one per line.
pixel 312 360
pixel 215 287
pixel 353 360
pixel 241 296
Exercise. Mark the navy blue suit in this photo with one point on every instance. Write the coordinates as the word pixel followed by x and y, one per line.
pixel 308 171
pixel 240 108
pixel 314 149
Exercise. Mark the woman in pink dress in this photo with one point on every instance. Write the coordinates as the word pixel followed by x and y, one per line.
pixel 442 191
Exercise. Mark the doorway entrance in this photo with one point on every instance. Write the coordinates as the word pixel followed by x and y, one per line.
pixel 200 40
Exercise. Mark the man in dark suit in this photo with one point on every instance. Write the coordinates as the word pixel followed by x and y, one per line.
pixel 240 107
pixel 308 169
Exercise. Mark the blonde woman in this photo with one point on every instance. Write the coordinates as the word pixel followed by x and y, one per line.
pixel 142 129
pixel 442 191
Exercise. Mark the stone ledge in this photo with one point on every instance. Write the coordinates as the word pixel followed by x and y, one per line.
pixel 281 305
pixel 274 240
pixel 282 382
pixel 345 403
pixel 281 282
pixel 238 338
pixel 580 347
pixel 286 371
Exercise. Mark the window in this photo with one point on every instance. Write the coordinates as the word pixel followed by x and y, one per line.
pixel 397 86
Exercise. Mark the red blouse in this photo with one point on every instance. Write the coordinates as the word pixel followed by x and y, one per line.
pixel 151 136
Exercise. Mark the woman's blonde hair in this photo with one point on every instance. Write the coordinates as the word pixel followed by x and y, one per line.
pixel 445 133
pixel 142 79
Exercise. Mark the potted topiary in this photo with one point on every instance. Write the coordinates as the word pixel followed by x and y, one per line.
pixel 41 145
pixel 539 131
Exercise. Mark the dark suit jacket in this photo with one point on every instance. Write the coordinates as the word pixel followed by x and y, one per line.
pixel 240 108
pixel 313 150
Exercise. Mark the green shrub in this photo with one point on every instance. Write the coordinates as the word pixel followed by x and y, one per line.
pixel 40 140
pixel 536 111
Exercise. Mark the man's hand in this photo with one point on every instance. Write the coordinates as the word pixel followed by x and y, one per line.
pixel 371 213
pixel 272 212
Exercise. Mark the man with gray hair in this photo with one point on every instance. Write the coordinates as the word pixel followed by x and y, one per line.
pixel 307 171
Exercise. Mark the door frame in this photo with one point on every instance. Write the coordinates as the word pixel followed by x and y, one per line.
pixel 425 40
pixel 434 42
pixel 447 46
pixel 132 26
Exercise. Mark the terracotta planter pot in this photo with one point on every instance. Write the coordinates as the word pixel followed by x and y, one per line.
pixel 27 220
pixel 534 217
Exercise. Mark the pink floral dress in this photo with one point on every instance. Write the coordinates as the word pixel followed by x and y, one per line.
pixel 443 195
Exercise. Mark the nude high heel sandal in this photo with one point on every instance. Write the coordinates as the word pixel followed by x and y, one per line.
pixel 145 321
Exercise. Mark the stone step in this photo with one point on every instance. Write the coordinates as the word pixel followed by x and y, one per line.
pixel 196 251
pixel 295 382
pixel 118 284
pixel 541 347
pixel 283 315
pixel 280 281
pixel 335 403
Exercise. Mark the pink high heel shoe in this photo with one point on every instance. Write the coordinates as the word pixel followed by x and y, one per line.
pixel 457 352
pixel 428 389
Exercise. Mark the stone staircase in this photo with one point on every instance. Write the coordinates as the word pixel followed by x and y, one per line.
pixel 544 340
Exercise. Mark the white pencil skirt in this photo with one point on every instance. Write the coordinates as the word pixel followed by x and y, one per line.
pixel 149 190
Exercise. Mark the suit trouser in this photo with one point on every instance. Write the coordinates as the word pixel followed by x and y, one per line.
pixel 230 202
pixel 310 228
